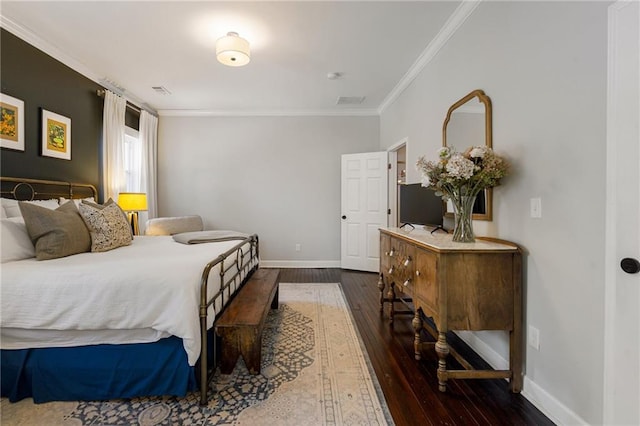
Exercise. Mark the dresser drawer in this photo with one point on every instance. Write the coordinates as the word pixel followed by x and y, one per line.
pixel 385 253
pixel 403 265
pixel 426 284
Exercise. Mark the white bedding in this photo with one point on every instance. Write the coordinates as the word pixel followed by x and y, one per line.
pixel 152 284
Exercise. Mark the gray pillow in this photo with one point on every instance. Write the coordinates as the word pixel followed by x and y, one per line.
pixel 107 225
pixel 56 233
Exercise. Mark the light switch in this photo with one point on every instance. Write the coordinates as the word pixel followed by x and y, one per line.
pixel 536 207
pixel 533 337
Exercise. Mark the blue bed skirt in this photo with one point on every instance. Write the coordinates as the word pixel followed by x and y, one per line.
pixel 97 372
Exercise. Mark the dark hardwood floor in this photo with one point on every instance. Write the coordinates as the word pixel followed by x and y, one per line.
pixel 411 387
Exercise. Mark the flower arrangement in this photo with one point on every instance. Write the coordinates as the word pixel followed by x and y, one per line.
pixel 463 174
pixel 459 177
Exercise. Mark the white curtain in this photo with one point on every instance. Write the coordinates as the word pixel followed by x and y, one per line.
pixel 114 179
pixel 149 140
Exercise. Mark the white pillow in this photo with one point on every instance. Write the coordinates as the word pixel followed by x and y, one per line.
pixel 11 208
pixel 63 200
pixel 15 243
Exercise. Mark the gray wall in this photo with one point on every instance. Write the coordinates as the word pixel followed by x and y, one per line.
pixel 278 177
pixel 544 67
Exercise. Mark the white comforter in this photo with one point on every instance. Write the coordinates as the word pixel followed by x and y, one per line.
pixel 152 284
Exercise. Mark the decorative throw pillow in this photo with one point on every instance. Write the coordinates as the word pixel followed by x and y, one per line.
pixel 108 227
pixel 55 233
pixel 15 240
pixel 108 203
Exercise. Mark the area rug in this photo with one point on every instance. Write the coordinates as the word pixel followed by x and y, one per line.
pixel 315 371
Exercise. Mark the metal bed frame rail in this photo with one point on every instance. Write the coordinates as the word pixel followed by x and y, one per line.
pixel 233 270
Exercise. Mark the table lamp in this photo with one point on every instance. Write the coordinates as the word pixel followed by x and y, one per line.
pixel 132 203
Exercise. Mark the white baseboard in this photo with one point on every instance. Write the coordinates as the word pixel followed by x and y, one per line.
pixel 559 413
pixel 300 263
pixel 556 411
pixel 486 352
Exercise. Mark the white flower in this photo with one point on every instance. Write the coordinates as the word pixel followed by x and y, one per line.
pixel 477 152
pixel 460 167
pixel 444 153
pixel 475 169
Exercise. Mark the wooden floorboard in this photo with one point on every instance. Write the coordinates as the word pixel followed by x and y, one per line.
pixel 410 387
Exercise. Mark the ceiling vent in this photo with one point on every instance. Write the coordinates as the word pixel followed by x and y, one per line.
pixel 161 90
pixel 350 100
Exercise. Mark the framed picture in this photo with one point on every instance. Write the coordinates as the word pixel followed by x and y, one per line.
pixel 11 122
pixel 56 135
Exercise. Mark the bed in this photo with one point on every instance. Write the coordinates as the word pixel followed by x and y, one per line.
pixel 132 321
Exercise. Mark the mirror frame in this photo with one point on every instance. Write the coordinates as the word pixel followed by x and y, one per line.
pixel 484 99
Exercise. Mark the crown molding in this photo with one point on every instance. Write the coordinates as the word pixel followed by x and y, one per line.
pixel 51 50
pixel 268 113
pixel 455 21
pixel 28 36
pixel 457 18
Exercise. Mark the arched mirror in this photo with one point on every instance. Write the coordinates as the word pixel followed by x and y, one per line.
pixel 468 123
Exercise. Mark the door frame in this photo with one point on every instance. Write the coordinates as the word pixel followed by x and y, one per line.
pixel 611 240
pixel 392 202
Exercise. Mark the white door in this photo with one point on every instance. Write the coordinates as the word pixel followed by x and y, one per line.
pixel 364 209
pixel 622 291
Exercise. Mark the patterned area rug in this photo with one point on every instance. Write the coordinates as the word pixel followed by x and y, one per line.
pixel 315 371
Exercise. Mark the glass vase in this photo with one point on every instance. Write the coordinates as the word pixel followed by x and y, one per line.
pixel 463 218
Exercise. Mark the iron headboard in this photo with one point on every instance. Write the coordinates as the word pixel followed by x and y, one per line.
pixel 26 189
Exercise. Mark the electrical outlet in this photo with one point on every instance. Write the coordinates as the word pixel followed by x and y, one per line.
pixel 297 247
pixel 533 337
pixel 536 208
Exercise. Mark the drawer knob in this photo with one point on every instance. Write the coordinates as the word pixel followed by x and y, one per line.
pixel 392 253
pixel 417 273
pixel 391 269
pixel 407 282
pixel 407 261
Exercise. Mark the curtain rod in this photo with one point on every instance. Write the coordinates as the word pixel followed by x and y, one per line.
pixel 100 93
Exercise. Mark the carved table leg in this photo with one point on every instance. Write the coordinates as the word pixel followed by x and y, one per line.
pixel 442 349
pixel 392 297
pixel 515 358
pixel 381 287
pixel 417 327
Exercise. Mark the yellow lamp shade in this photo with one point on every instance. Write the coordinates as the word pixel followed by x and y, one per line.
pixel 132 201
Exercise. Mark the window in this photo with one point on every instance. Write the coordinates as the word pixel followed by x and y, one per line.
pixel 132 155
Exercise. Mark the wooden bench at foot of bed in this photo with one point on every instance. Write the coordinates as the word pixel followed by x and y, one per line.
pixel 241 324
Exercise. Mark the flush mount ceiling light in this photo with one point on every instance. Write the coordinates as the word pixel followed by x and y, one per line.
pixel 233 50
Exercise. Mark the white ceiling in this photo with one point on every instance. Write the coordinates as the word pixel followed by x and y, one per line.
pixel 294 45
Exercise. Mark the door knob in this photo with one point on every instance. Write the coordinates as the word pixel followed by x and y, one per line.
pixel 630 265
pixel 344 217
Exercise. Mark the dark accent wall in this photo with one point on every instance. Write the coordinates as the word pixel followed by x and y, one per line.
pixel 41 81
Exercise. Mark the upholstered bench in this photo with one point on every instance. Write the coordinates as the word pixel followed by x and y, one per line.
pixel 173 225
pixel 242 323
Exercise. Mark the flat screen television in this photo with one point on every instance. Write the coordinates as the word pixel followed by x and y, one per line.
pixel 420 206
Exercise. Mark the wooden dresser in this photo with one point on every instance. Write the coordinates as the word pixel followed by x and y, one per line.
pixel 461 286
